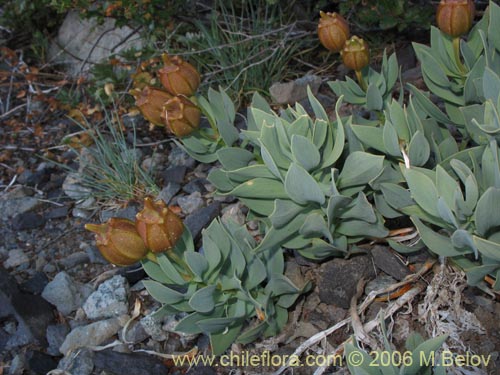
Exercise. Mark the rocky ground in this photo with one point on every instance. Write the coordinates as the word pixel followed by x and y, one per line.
pixel 65 310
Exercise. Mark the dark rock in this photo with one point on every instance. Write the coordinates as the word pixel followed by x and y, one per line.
pixel 389 263
pixel 174 174
pixel 178 157
pixel 326 102
pixel 94 254
pixel 195 185
pixel 201 218
pixel 169 191
pixel 133 273
pixel 27 220
pixel 40 363
pixel 57 213
pixel 201 370
pixel 406 57
pixel 36 284
pixel 80 362
pixel 32 313
pixel 74 260
pixel 130 364
pixel 128 212
pixel 56 333
pixel 338 279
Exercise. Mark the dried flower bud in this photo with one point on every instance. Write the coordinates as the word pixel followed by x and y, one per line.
pixel 158 226
pixel 356 54
pixel 118 241
pixel 178 77
pixel 333 31
pixel 454 17
pixel 150 102
pixel 181 116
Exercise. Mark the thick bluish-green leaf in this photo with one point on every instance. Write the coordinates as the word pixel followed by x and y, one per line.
pixel 374 99
pixel 462 239
pixel 419 149
pixel 212 252
pixel 305 152
pixel 360 209
pixel 260 188
pixel 189 325
pixel 154 271
pixel 252 334
pixel 318 109
pixel 221 180
pixel 370 136
pixel 284 212
pixel 422 190
pixel 445 212
pixel 203 299
pixel 488 248
pixel 169 269
pixel 222 341
pixel 436 242
pixel 359 169
pixel 487 214
pixel 161 293
pixel 446 186
pixel 197 263
pixel 301 186
pixel 353 228
pixel 423 351
pixel 315 226
pixel 396 196
pixel 391 140
pixel 233 158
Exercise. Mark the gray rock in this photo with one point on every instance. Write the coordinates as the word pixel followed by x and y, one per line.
pixel 27 220
pixel 80 213
pixel 80 362
pixel 389 263
pixel 36 284
pixel 66 294
pixel 174 174
pixel 191 203
pixel 338 279
pixel 90 41
pixel 90 335
pixel 40 363
pixel 57 213
pixel 16 202
pixel 134 334
pixel 379 283
pixel 93 253
pixel 128 212
pixel 201 218
pixel 154 163
pixel 16 258
pixel 292 92
pixel 73 188
pixel 153 327
pixel 169 191
pixel 56 333
pixel 128 363
pixel 49 268
pixel 109 300
pixel 17 365
pixel 195 185
pixel 234 213
pixel 177 157
pixel 73 260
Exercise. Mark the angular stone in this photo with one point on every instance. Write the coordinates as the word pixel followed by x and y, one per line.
pixel 73 260
pixel 201 218
pixel 80 362
pixel 36 284
pixel 128 363
pixel 89 41
pixel 17 201
pixel 169 191
pixel 174 174
pixel 338 279
pixel 292 92
pixel 66 294
pixel 90 335
pixel 153 327
pixel 40 363
pixel 191 203
pixel 16 258
pixel 109 300
pixel 27 220
pixel 178 157
pixel 389 263
pixel 56 333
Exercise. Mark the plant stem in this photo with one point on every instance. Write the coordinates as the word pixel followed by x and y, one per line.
pixel 456 49
pixel 361 80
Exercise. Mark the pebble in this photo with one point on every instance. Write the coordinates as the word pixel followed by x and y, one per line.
pixel 80 362
pixel 195 185
pixel 16 258
pixel 40 363
pixel 17 365
pixel 74 260
pixel 65 293
pixel 178 157
pixel 109 361
pixel 174 174
pixel 234 213
pixel 191 203
pixel 72 187
pixel 109 300
pixel 169 191
pixel 57 213
pixel 389 263
pixel 154 162
pixel 27 220
pixel 91 335
pixel 153 327
pixel 292 92
pixel 128 212
pixel 17 201
pixel 338 278
pixel 95 256
pixel 201 218
pixel 56 333
pixel 35 284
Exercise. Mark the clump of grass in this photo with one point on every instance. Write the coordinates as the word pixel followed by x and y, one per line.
pixel 244 49
pixel 112 174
